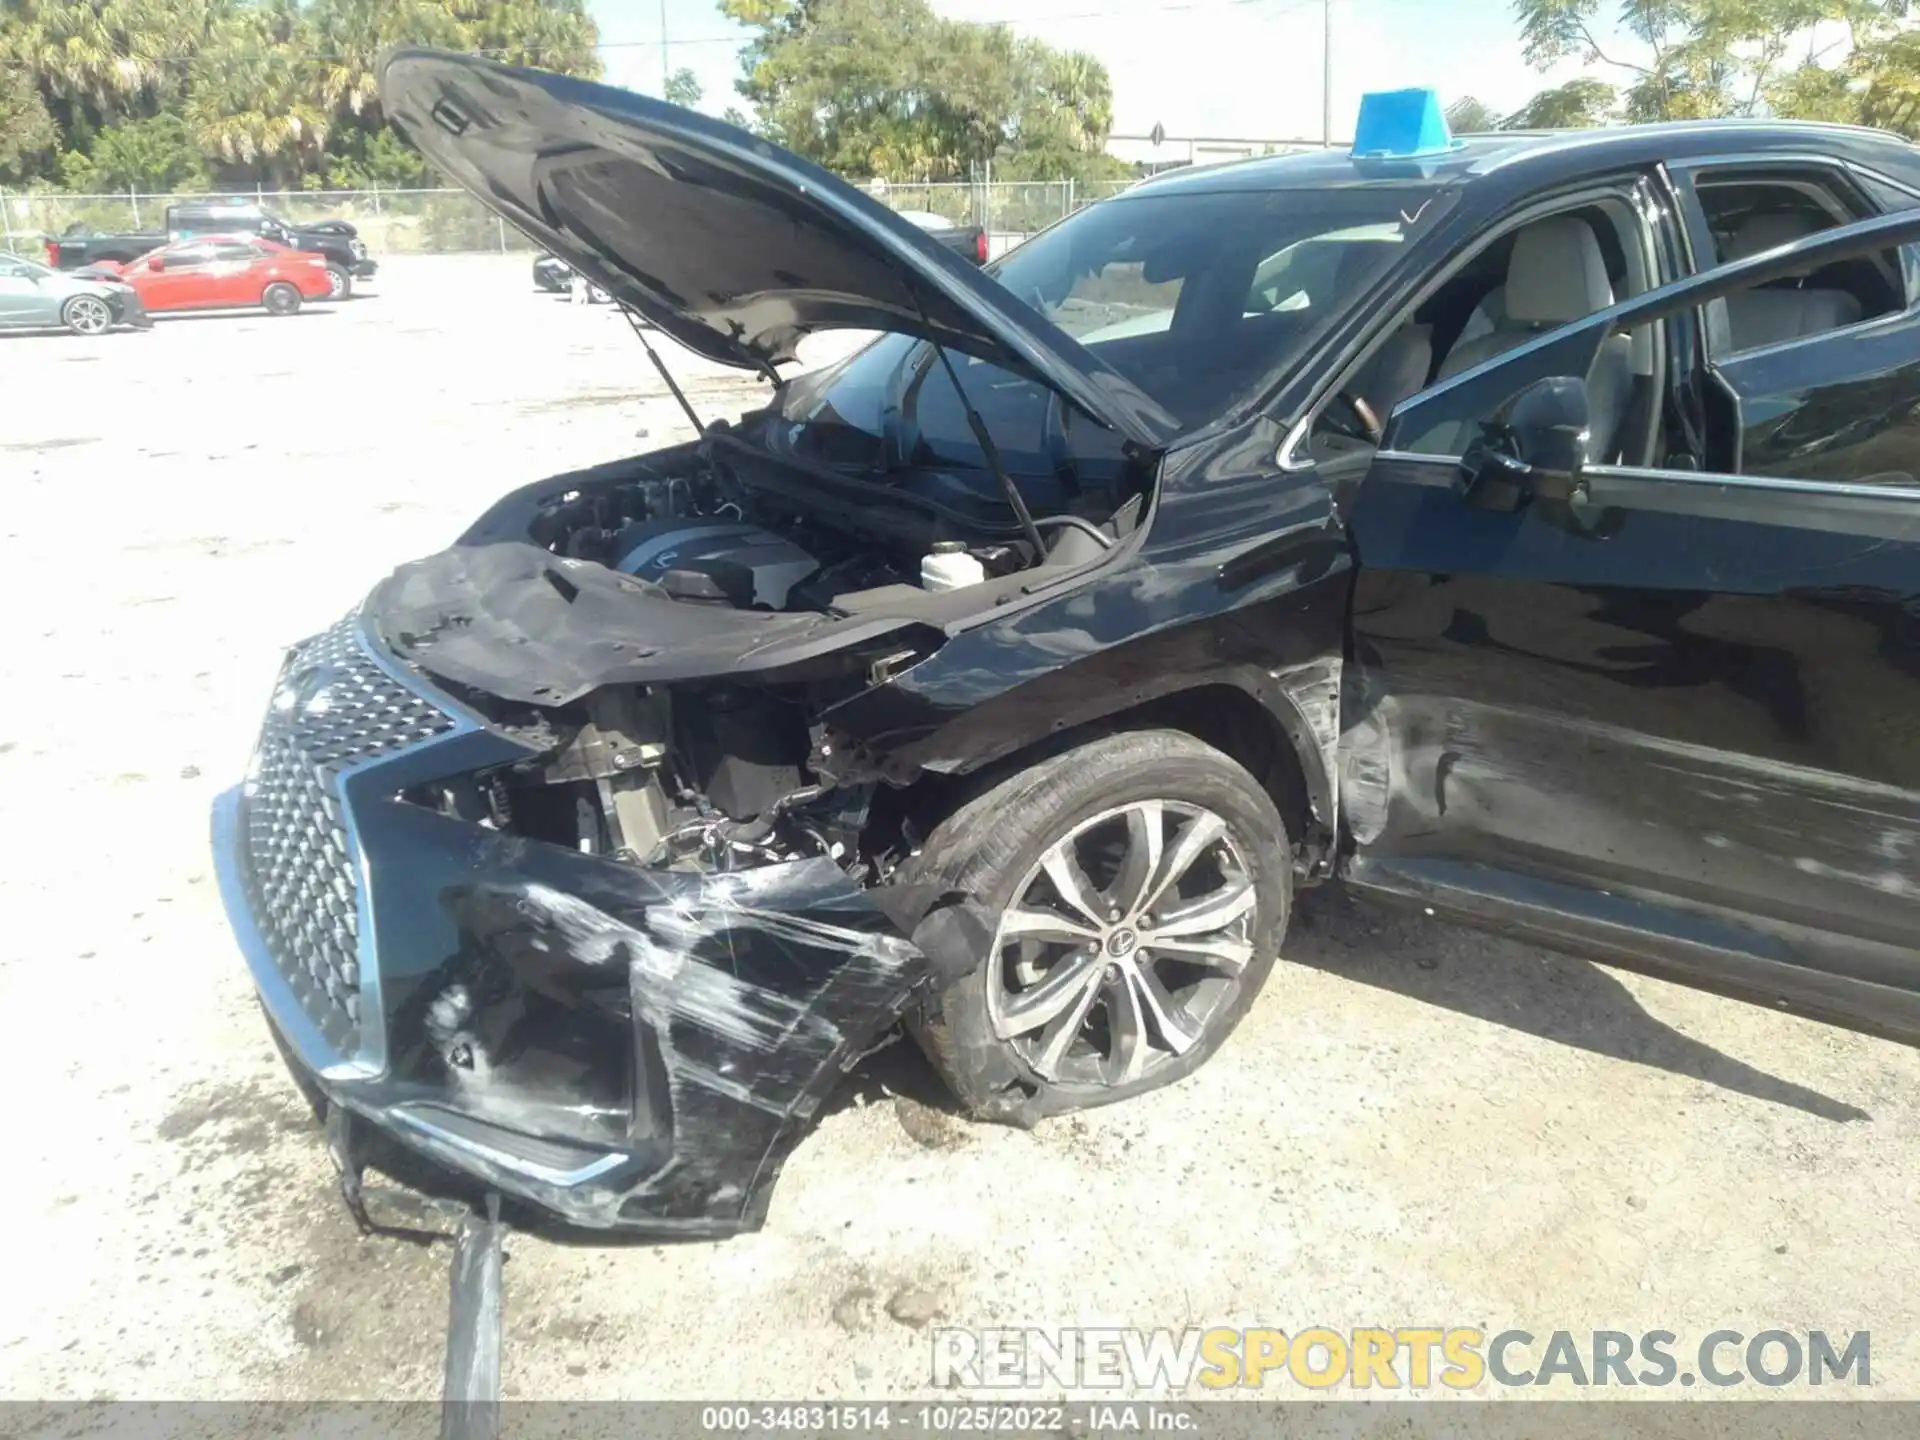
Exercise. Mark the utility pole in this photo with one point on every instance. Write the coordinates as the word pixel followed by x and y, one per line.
pixel 1326 73
pixel 663 50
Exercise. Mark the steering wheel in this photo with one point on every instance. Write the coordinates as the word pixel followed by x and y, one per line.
pixel 1365 424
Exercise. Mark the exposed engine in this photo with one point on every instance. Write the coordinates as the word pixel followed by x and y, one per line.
pixel 714 773
pixel 692 778
pixel 728 562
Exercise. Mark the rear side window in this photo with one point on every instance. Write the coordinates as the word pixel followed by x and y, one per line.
pixel 1749 214
pixel 1890 199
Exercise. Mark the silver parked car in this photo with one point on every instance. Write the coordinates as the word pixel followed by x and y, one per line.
pixel 31 294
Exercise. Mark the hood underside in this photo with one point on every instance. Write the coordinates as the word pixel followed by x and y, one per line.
pixel 513 621
pixel 734 247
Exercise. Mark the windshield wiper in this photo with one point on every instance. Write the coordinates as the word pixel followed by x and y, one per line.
pixel 984 437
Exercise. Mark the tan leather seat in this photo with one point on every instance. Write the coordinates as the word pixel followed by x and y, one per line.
pixel 1774 315
pixel 1555 275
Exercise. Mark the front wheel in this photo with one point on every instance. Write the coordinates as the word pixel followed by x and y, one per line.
pixel 1141 884
pixel 339 283
pixel 281 298
pixel 86 315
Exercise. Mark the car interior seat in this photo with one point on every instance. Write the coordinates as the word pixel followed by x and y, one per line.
pixel 1770 315
pixel 1401 365
pixel 1556 274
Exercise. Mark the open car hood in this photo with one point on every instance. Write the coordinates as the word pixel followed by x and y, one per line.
pixel 731 245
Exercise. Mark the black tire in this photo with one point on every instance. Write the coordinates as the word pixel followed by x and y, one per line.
pixel 341 282
pixel 988 848
pixel 87 315
pixel 281 299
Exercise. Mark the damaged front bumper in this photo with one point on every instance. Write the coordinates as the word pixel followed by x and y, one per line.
pixel 628 1048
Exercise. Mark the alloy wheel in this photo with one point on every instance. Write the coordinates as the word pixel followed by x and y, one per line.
pixel 88 316
pixel 1124 944
pixel 337 283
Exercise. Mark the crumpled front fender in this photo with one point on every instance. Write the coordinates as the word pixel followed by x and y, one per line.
pixel 628 1048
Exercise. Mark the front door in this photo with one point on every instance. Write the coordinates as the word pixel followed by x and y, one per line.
pixel 178 282
pixel 1660 709
pixel 230 275
pixel 22 302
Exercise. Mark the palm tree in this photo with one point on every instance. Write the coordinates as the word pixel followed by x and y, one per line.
pixel 99 59
pixel 1083 91
pixel 251 98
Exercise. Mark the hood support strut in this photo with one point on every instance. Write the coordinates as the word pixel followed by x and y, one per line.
pixel 633 321
pixel 983 436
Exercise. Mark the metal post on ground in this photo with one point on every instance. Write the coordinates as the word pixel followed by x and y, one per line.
pixel 501 226
pixel 665 78
pixel 986 204
pixel 1326 74
pixel 470 1396
pixel 6 221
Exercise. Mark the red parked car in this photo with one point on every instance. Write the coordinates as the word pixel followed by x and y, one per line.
pixel 221 271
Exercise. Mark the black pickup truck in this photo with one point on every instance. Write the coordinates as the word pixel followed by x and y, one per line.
pixel 346 255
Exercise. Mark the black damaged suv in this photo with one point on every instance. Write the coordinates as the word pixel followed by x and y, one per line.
pixel 1528 529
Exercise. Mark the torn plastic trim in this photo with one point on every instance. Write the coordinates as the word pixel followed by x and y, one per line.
pixel 742 998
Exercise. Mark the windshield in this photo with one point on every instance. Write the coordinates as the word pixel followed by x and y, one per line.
pixel 1197 298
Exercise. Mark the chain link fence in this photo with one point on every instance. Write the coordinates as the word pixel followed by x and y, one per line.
pixel 452 222
pixel 391 222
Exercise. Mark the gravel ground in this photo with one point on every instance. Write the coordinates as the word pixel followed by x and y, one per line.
pixel 1416 1125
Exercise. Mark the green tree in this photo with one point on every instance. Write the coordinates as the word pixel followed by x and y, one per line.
pixel 1576 105
pixel 155 154
pixel 277 91
pixel 1468 116
pixel 890 88
pixel 27 131
pixel 683 88
pixel 251 99
pixel 350 36
pixel 1845 60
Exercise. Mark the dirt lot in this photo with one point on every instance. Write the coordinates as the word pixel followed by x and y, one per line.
pixel 1416 1125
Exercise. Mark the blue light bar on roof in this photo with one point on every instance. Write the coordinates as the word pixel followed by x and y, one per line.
pixel 1399 124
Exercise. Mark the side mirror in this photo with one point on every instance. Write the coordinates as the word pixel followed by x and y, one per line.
pixel 154 262
pixel 1534 444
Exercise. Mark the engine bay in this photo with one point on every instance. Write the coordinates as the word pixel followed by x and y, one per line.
pixel 734 524
pixel 669 559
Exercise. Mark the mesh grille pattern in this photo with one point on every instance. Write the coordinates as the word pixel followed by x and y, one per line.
pixel 333 708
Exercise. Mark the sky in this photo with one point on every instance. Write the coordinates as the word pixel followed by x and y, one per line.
pixel 1238 69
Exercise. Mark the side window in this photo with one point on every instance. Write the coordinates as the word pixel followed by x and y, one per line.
pixel 184 256
pixel 1525 283
pixel 1749 214
pixel 1891 199
pixel 235 252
